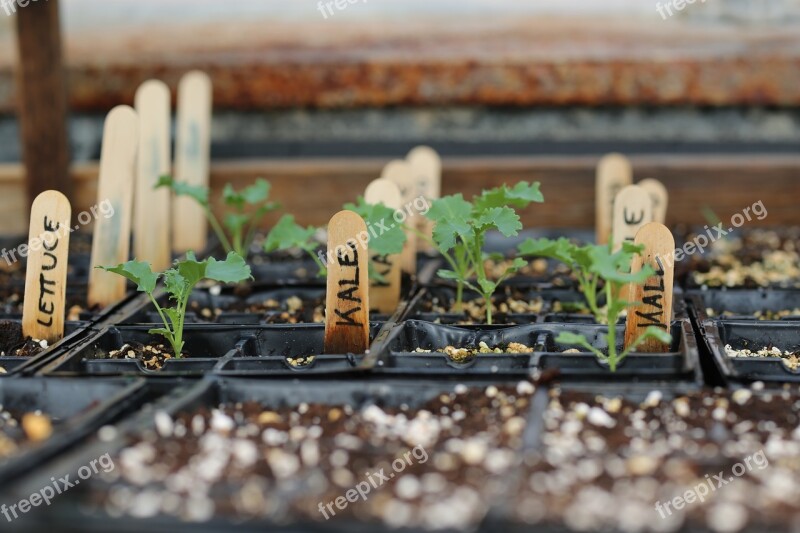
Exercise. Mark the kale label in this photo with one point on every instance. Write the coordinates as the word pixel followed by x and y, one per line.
pixel 652 300
pixel 46 275
pixel 347 302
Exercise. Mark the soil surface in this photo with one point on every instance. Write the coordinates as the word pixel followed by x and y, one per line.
pixel 462 355
pixel 152 355
pixel 444 461
pixel 789 358
pixel 12 343
pixel 610 463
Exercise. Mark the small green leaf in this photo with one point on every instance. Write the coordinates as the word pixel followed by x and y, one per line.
pixel 561 250
pixel 487 286
pixel 386 236
pixel 199 194
pixel 658 334
pixel 451 215
pixel 164 332
pixel 567 337
pixel 139 272
pixel 234 222
pixel 232 270
pixel 253 194
pixel 520 196
pixel 287 234
pixel 504 219
pixel 446 274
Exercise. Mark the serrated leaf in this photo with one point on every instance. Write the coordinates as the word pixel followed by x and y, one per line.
pixel 287 234
pixel 561 249
pixel 504 219
pixel 451 215
pixel 446 274
pixel 520 196
pixel 253 194
pixel 139 272
pixel 515 266
pixel 175 284
pixel 199 194
pixel 232 270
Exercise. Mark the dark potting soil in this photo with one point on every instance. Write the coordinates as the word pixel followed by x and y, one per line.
pixel 152 355
pixel 19 429
pixel 443 462
pixel 12 343
pixel 720 461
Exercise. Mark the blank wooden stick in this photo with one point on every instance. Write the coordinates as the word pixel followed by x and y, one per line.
pixel 614 172
pixel 655 296
pixel 632 210
pixel 111 242
pixel 384 296
pixel 426 167
pixel 400 172
pixel 46 277
pixel 347 301
pixel 660 197
pixel 152 214
pixel 192 153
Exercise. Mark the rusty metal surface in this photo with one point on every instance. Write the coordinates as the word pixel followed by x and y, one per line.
pixel 512 61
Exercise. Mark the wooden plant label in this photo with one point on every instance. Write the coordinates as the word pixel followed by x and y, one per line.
pixel 46 277
pixel 192 152
pixel 347 301
pixel 632 210
pixel 659 196
pixel 112 235
pixel 151 207
pixel 426 167
pixel 614 172
pixel 384 296
pixel 655 295
pixel 401 173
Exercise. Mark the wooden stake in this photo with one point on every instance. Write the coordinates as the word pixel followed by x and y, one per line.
pixel 655 295
pixel 347 302
pixel 659 196
pixel 384 296
pixel 46 277
pixel 614 172
pixel 151 215
pixel 111 242
pixel 426 167
pixel 400 172
pixel 632 210
pixel 192 153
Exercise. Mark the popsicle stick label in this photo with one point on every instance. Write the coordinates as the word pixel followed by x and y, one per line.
pixel 192 153
pixel 384 295
pixel 151 215
pixel 46 276
pixel 632 210
pixel 347 300
pixel 426 167
pixel 401 173
pixel 614 172
pixel 111 241
pixel 659 196
pixel 655 295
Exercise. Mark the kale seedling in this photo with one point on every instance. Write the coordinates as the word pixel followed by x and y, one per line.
pixel 460 231
pixel 178 283
pixel 599 269
pixel 247 208
pixel 385 237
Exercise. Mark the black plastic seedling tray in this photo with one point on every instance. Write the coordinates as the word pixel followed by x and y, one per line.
pixel 681 363
pixel 73 510
pixel 743 304
pixel 238 350
pixel 753 335
pixel 76 406
pixel 14 365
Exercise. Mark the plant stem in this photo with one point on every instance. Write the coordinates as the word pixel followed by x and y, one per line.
pixel 612 328
pixel 215 225
pixel 323 270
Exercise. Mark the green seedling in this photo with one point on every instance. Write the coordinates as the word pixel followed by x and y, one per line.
pixel 384 237
pixel 460 229
pixel 178 283
pixel 246 209
pixel 599 271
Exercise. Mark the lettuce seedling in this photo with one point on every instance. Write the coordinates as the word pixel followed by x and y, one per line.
pixel 247 208
pixel 599 271
pixel 178 283
pixel 460 229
